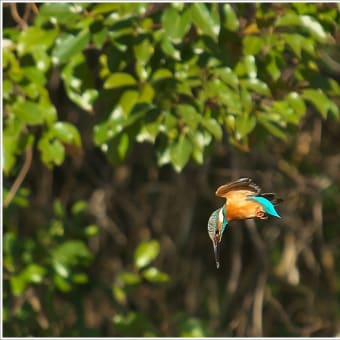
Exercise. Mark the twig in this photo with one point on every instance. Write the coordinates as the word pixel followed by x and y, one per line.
pixel 282 313
pixel 23 172
pixel 15 15
pixel 258 304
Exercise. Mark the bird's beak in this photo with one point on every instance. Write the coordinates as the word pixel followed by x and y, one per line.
pixel 216 244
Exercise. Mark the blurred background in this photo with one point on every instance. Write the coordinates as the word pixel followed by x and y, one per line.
pixel 121 120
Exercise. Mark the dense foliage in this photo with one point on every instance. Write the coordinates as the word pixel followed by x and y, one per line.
pixel 119 122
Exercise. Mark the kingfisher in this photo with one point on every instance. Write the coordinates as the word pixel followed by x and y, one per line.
pixel 244 200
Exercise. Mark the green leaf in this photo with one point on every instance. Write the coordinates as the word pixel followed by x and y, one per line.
pixel 11 136
pixel 62 284
pixel 61 269
pixel 319 100
pixel 180 152
pixel 119 294
pixel 294 41
pixel 213 127
pixel 34 273
pixel 117 147
pixel 189 115
pixel 193 328
pixel 143 51
pixel 227 76
pixel 35 75
pixel 257 86
pixel 161 73
pixel 297 103
pixel 115 124
pixel 69 45
pixel 149 131
pixel 80 278
pixel 18 284
pixel 169 49
pixel 282 112
pixel 129 278
pixel 123 145
pixel 163 154
pixel 231 22
pixel 79 207
pixel 59 13
pixel 252 45
pixel 35 38
pixel 244 125
pixel 119 79
pixel 52 151
pixel 273 69
pixel 247 67
pixel 132 325
pixel 310 24
pixel 66 132
pixel 128 100
pixel 79 84
pixel 146 93
pixel 29 112
pixel 152 274
pixel 71 253
pixel 145 253
pixel 92 230
pixel 271 127
pixel 176 25
pixel 204 21
pixel 100 8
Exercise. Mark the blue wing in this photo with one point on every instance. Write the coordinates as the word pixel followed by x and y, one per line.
pixel 267 205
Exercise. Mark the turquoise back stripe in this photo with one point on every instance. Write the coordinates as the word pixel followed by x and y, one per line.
pixel 267 205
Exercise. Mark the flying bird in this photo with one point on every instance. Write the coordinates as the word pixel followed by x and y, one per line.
pixel 244 200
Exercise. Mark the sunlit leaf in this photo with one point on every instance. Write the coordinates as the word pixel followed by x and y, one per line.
pixel 244 125
pixel 29 112
pixel 119 79
pixel 145 253
pixel 257 86
pixel 213 127
pixel 176 24
pixel 152 274
pixel 307 22
pixel 169 49
pixel 161 73
pixel 52 151
pixel 319 100
pixel 189 115
pixel 204 21
pixel 180 152
pixel 231 22
pixel 271 127
pixel 59 13
pixel 34 273
pixel 128 100
pixel 66 132
pixel 71 252
pixel 69 45
pixel 129 278
pixel 34 38
pixel 119 294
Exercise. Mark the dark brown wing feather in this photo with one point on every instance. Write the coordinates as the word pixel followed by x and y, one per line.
pixel 271 197
pixel 242 188
pixel 245 184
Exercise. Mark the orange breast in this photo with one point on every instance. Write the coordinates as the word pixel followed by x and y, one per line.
pixel 242 209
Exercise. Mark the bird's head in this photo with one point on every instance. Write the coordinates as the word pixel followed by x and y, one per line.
pixel 216 225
